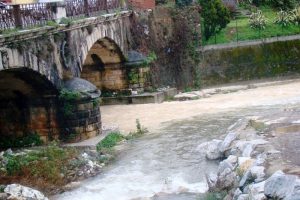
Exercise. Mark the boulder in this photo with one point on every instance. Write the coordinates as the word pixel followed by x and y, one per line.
pixel 296 192
pixel 19 192
pixel 226 179
pixel 223 165
pixel 232 160
pixel 236 194
pixel 281 186
pixel 211 180
pixel 246 176
pixel 230 137
pixel 243 197
pixel 256 191
pixel 213 151
pixel 257 173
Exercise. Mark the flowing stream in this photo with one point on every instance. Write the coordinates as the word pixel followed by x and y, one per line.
pixel 166 165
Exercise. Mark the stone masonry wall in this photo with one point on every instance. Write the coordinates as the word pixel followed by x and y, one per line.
pixel 84 122
pixel 113 77
pixel 250 62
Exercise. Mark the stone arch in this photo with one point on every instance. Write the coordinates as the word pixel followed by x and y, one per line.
pixel 27 104
pixel 104 65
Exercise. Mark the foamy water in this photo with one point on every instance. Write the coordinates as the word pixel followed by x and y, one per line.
pixel 166 165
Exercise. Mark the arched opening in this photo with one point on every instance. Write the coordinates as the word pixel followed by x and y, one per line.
pixel 104 67
pixel 27 104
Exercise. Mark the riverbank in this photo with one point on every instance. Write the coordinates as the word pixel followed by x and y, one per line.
pixel 260 158
pixel 153 115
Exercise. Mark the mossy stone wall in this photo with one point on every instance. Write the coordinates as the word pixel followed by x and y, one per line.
pixel 250 62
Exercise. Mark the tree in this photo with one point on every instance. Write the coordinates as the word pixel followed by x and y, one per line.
pixel 215 16
pixel 283 4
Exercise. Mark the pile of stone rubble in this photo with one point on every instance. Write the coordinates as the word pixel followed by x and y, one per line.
pixel 243 172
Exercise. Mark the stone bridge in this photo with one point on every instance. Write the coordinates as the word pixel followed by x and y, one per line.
pixel 35 66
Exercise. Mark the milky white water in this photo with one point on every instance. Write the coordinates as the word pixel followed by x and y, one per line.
pixel 168 163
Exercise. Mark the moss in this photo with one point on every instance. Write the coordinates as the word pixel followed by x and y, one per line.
pixel 251 62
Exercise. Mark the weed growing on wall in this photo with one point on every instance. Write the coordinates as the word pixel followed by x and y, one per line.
pixel 68 97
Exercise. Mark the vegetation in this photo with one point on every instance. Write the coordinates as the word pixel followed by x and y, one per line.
pixel 282 4
pixel 140 130
pixel 240 29
pixel 109 142
pixel 112 139
pixel 257 20
pixel 28 140
pixel 295 16
pixel 215 195
pixel 45 165
pixel 283 18
pixel 68 97
pixel 215 17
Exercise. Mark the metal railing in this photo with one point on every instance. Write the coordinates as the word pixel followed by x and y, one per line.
pixel 77 8
pixel 30 15
pixel 23 16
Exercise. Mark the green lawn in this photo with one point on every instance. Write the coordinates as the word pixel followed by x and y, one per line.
pixel 244 32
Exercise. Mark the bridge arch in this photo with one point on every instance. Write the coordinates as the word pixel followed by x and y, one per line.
pixel 27 104
pixel 104 65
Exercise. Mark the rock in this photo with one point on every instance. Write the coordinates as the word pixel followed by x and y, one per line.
pixel 296 192
pixel 236 194
pixel 72 185
pixel 257 173
pixel 3 196
pixel 230 137
pixel 245 163
pixel 232 160
pixel 256 191
pixel 186 96
pixel 223 165
pixel 211 180
pixel 244 179
pixel 248 149
pixel 260 159
pixel 280 186
pixel 226 179
pixel 19 192
pixel 243 197
pixel 213 151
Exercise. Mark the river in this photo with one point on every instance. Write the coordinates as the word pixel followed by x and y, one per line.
pixel 167 164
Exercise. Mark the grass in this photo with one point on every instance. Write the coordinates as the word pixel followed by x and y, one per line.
pixel 112 139
pixel 245 32
pixel 109 142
